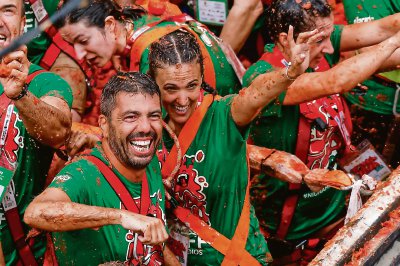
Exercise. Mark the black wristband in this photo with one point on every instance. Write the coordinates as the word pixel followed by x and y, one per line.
pixel 23 92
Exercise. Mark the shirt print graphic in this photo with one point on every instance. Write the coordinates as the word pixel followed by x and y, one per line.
pixel 11 140
pixel 189 186
pixel 324 145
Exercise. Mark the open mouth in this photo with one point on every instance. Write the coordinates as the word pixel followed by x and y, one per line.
pixel 142 147
pixel 181 109
pixel 3 40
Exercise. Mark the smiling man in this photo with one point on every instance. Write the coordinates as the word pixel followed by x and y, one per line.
pixel 93 217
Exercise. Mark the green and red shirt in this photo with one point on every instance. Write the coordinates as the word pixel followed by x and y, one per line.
pixel 83 182
pixel 378 98
pixel 32 157
pixel 212 182
pixel 277 127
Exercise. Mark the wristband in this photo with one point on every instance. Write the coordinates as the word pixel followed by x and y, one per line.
pixel 23 92
pixel 286 72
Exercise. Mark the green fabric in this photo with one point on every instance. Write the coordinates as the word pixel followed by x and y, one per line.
pixel 34 159
pixel 378 98
pixel 226 80
pixel 84 183
pixel 216 167
pixel 38 46
pixel 277 128
pixel 358 11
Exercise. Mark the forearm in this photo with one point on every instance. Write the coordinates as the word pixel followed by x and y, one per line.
pixel 341 78
pixel 53 210
pixel 279 164
pixel 239 23
pixel 249 102
pixel 365 34
pixel 392 63
pixel 67 216
pixel 43 121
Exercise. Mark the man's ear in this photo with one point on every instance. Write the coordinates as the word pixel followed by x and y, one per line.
pixel 283 39
pixel 22 26
pixel 104 126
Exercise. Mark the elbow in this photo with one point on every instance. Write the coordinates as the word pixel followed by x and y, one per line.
pixel 29 218
pixel 62 136
pixel 340 86
pixel 59 136
pixel 334 84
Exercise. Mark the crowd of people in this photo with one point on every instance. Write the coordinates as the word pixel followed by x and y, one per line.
pixel 179 90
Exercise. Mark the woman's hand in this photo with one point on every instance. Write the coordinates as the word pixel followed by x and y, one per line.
pixel 299 51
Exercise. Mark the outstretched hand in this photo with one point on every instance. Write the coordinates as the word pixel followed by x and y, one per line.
pixel 299 50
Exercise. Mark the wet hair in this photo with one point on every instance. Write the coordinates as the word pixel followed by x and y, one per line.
pixel 130 82
pixel 178 47
pixel 301 15
pixel 96 12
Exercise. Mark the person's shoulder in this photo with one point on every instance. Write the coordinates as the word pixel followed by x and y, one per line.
pixel 220 105
pixel 77 179
pixel 76 173
pixel 51 6
pixel 40 75
pixel 337 31
pixel 146 19
pixel 80 166
pixel 259 67
pixel 43 82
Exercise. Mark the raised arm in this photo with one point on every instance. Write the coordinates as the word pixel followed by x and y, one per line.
pixel 249 102
pixel 392 63
pixel 47 119
pixel 342 77
pixel 53 211
pixel 240 22
pixel 359 35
